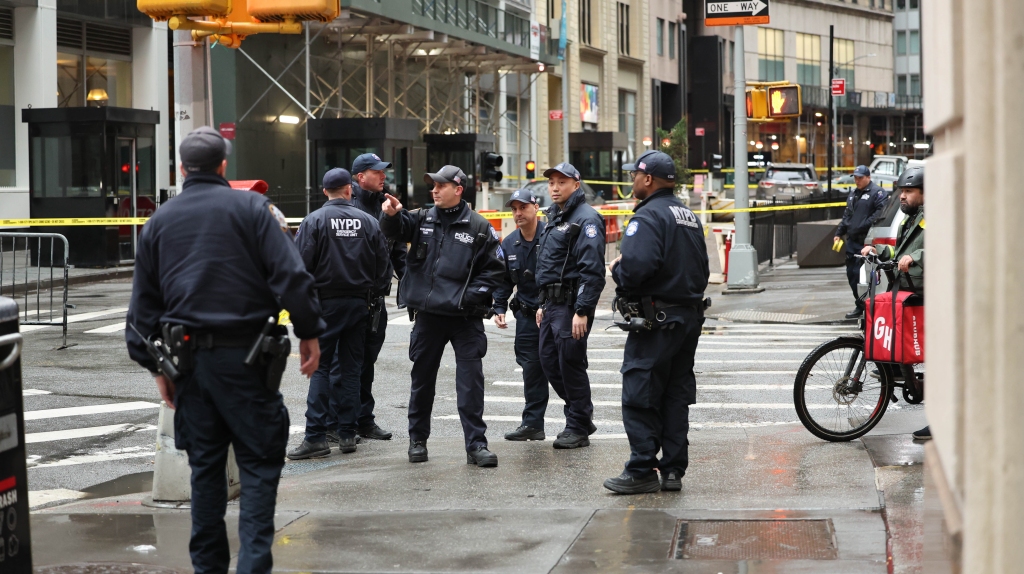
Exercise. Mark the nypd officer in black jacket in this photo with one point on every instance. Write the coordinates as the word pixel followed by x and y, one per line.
pixel 455 263
pixel 520 249
pixel 863 208
pixel 571 276
pixel 660 278
pixel 215 261
pixel 344 249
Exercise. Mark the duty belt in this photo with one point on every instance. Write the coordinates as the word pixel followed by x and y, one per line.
pixel 559 293
pixel 210 340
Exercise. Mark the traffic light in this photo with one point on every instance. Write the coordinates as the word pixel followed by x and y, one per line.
pixel 531 169
pixel 163 9
pixel 784 101
pixel 277 11
pixel 489 164
pixel 757 106
pixel 715 163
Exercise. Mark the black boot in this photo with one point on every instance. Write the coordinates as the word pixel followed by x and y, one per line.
pixel 309 450
pixel 923 434
pixel 347 444
pixel 375 432
pixel 672 480
pixel 525 432
pixel 627 484
pixel 568 440
pixel 482 457
pixel 417 451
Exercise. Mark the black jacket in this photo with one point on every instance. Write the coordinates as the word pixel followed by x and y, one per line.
pixel 663 252
pixel 520 270
pixel 582 257
pixel 215 259
pixel 863 208
pixel 344 248
pixel 441 259
pixel 371 202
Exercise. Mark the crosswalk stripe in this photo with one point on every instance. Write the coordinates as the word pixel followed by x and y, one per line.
pixel 700 351
pixel 33 392
pixel 77 318
pixel 88 410
pixel 715 406
pixel 119 454
pixel 713 361
pixel 726 373
pixel 84 432
pixel 750 387
pixel 114 328
pixel 599 424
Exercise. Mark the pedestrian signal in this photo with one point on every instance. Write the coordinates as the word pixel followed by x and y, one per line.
pixel 757 107
pixel 784 101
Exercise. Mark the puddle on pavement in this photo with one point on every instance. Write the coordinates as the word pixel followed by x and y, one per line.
pixel 127 484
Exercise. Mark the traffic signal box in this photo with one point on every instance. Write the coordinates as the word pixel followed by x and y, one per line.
pixel 767 101
pixel 531 169
pixel 489 164
pixel 233 20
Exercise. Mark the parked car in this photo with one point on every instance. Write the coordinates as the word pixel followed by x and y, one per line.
pixel 539 187
pixel 786 181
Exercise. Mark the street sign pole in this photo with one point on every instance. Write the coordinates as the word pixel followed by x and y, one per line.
pixel 831 109
pixel 742 258
pixel 563 47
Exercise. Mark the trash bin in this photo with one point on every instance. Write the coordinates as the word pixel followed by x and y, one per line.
pixel 15 550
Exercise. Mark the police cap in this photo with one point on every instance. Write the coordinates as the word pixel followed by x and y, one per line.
pixel 522 196
pixel 203 149
pixel 447 174
pixel 337 177
pixel 862 171
pixel 369 161
pixel 654 163
pixel 565 168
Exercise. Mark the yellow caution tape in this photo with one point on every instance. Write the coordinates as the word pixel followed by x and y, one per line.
pixel 62 221
pixel 605 212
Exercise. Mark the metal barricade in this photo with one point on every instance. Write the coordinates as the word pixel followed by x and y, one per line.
pixel 24 261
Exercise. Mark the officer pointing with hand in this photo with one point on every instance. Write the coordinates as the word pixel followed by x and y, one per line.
pixel 211 268
pixel 660 280
pixel 455 263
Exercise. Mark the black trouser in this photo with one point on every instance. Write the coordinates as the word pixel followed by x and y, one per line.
pixel 430 334
pixel 223 402
pixel 535 384
pixel 564 361
pixel 335 395
pixel 853 266
pixel 658 387
pixel 374 342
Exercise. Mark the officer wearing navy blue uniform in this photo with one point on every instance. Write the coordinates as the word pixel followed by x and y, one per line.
pixel 863 208
pixel 455 263
pixel 520 249
pixel 214 260
pixel 344 249
pixel 662 274
pixel 571 276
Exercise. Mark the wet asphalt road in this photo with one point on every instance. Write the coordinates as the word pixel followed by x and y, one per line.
pixel 745 375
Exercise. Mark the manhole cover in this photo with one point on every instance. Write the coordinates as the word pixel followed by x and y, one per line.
pixel 756 540
pixel 105 568
pixel 766 316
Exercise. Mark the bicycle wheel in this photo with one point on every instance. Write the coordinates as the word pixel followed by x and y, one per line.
pixel 836 397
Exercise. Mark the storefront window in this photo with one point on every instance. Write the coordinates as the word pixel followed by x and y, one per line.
pixel 627 121
pixel 69 81
pixel 7 117
pixel 108 82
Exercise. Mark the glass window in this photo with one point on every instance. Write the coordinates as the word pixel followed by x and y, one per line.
pixel 589 106
pixel 913 4
pixel 808 59
pixel 671 40
pixel 901 4
pixel 67 166
pixel 915 42
pixel 660 36
pixel 623 22
pixel 915 85
pixel 7 117
pixel 585 22
pixel 770 53
pixel 69 81
pixel 901 43
pixel 901 85
pixel 843 56
pixel 108 82
pixel 627 121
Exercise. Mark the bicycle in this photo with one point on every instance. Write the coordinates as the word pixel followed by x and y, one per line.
pixel 837 397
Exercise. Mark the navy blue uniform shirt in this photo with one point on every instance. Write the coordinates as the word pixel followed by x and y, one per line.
pixel 520 256
pixel 345 250
pixel 663 252
pixel 215 259
pixel 371 202
pixel 863 208
pixel 442 257
pixel 583 257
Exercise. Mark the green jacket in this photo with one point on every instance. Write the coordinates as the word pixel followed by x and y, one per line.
pixel 909 241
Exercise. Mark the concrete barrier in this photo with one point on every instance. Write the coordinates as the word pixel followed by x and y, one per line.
pixel 814 244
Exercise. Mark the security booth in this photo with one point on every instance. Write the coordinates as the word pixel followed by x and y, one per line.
pixel 599 156
pixel 462 150
pixel 336 142
pixel 92 162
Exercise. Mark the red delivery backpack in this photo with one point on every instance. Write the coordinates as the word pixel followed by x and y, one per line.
pixel 894 326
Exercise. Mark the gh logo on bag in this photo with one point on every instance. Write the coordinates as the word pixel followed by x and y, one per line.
pixel 883 333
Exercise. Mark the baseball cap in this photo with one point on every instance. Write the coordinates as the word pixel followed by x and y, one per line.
pixel 565 168
pixel 368 161
pixel 522 196
pixel 656 163
pixel 337 177
pixel 862 171
pixel 447 174
pixel 203 149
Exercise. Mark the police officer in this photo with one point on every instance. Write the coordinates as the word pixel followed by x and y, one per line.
pixel 344 249
pixel 864 206
pixel 571 276
pixel 660 278
pixel 520 249
pixel 455 263
pixel 214 261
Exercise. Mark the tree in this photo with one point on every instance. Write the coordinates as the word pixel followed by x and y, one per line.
pixel 677 149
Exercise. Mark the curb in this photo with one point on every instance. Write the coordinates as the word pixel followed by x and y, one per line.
pixel 115 273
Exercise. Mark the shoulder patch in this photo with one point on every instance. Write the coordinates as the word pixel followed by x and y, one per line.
pixel 591 230
pixel 281 221
pixel 632 227
pixel 494 234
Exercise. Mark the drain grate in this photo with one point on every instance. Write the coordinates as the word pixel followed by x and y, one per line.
pixel 766 317
pixel 755 540
pixel 105 568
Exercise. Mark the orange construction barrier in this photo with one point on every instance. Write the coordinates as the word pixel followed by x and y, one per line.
pixel 612 233
pixel 494 221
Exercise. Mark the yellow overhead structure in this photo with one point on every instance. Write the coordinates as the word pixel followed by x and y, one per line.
pixel 228 22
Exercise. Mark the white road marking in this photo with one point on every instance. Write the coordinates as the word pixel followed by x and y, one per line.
pixel 118 454
pixel 515 419
pixel 708 337
pixel 610 372
pixel 88 410
pixel 37 498
pixel 85 432
pixel 114 328
pixel 33 392
pixel 752 387
pixel 77 318
pixel 716 406
pixel 702 350
pixel 713 361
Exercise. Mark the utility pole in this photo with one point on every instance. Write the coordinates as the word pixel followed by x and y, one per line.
pixel 563 47
pixel 742 258
pixel 192 97
pixel 831 108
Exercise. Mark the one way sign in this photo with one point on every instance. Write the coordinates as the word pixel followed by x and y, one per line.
pixel 733 13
